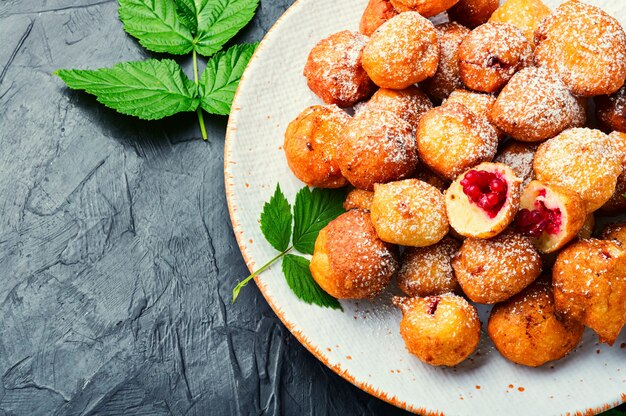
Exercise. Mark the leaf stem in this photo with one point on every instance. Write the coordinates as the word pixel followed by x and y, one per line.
pixel 245 281
pixel 199 110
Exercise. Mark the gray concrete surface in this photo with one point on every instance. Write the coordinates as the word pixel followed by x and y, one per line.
pixel 117 258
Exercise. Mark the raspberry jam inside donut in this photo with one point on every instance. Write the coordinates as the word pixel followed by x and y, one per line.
pixel 485 189
pixel 539 220
pixel 433 302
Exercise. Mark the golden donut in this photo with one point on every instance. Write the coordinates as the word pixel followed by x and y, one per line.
pixel 526 329
pixel 525 14
pixel 376 13
pixel 447 77
pixel 408 104
pixel 589 286
pixel 493 270
pixel 491 54
pixel 377 147
pixel 439 330
pixel 402 52
pixel 452 139
pixel 427 271
pixel 551 215
pixel 334 70
pixel 310 145
pixel 472 13
pixel 350 261
pixel 358 199
pixel 585 46
pixel 615 232
pixel 409 213
pixel 426 8
pixel 534 106
pixel 583 161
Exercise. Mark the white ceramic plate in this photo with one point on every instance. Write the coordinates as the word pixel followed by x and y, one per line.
pixel 362 344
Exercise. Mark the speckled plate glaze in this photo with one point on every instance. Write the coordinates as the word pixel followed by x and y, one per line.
pixel 362 343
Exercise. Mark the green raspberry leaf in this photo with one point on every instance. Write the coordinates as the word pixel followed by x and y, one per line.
pixel 276 220
pixel 298 275
pixel 312 211
pixel 150 89
pixel 220 79
pixel 156 25
pixel 215 22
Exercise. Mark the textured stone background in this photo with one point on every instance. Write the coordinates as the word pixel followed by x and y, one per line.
pixel 117 257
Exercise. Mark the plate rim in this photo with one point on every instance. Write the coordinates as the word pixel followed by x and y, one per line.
pixel 231 131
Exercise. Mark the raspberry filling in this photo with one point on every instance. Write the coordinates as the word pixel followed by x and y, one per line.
pixel 485 189
pixel 539 220
pixel 433 302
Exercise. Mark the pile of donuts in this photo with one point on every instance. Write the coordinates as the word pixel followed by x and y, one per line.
pixel 480 153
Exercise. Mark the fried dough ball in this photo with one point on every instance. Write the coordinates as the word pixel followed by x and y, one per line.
pixel 491 54
pixel 525 14
pixel 491 271
pixel 615 232
pixel 377 147
pixel 409 213
pixel 611 110
pixel 447 77
pixel 402 52
pixel 519 157
pixel 426 8
pixel 617 203
pixel 439 330
pixel 358 199
pixel 350 261
pixel 472 13
pixel 589 279
pixel 585 46
pixel 409 104
pixel 451 139
pixel 376 13
pixel 478 103
pixel 580 113
pixel 526 329
pixel 334 70
pixel 310 145
pixel 427 271
pixel 583 161
pixel 535 105
pixel 551 215
pixel 483 201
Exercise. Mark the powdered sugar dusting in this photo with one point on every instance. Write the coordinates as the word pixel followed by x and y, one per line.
pixel 334 70
pixel 493 270
pixel 451 139
pixel 378 147
pixel 447 77
pixel 585 46
pixel 535 105
pixel 428 271
pixel 357 255
pixel 402 52
pixel 491 54
pixel 590 285
pixel 519 157
pixel 582 160
pixel 409 212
